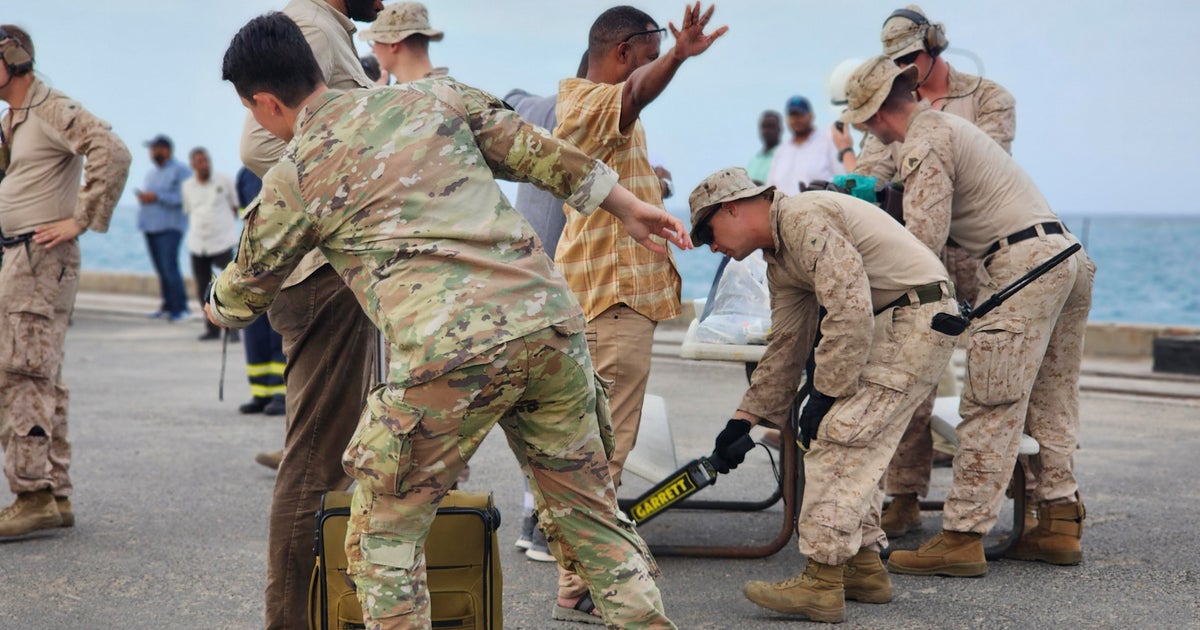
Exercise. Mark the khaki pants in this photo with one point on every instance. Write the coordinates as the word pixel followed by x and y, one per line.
pixel 842 498
pixel 37 294
pixel 1022 372
pixel 620 341
pixel 328 342
pixel 412 443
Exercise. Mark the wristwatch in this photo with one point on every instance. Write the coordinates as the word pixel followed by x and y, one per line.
pixel 843 152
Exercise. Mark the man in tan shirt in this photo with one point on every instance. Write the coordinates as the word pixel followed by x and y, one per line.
pixel 327 339
pixel 877 359
pixel 625 289
pixel 1023 357
pixel 48 145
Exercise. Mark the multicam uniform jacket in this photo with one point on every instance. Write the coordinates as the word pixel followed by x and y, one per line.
pixel 396 187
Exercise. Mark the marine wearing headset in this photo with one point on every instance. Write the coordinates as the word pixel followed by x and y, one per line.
pixel 50 143
pixel 910 39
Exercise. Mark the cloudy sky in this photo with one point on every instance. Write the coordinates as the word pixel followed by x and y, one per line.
pixel 1107 91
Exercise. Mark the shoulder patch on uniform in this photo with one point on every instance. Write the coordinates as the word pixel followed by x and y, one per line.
pixel 912 160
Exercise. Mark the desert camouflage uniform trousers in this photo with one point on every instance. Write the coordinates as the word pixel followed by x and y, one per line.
pixel 410 445
pixel 911 466
pixel 37 293
pixel 842 497
pixel 1023 364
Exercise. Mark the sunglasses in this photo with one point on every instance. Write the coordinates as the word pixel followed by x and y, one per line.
pixel 660 31
pixel 909 59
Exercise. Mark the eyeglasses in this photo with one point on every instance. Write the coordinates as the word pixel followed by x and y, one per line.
pixel 909 59
pixel 660 31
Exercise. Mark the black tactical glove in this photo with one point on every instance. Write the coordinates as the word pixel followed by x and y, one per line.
pixel 729 459
pixel 810 418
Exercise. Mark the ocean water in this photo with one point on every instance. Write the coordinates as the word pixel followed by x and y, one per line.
pixel 1148 268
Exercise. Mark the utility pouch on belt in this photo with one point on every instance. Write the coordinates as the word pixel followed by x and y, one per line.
pixel 462 558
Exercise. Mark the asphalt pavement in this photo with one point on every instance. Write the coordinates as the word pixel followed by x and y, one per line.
pixel 172 510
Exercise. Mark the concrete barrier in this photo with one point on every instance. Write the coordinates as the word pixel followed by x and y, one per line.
pixel 1109 340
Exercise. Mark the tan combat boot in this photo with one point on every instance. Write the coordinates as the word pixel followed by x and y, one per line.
pixel 64 510
pixel 865 579
pixel 816 594
pixel 270 459
pixel 32 511
pixel 901 516
pixel 1056 538
pixel 954 554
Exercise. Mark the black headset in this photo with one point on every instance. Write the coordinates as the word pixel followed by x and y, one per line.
pixel 15 57
pixel 934 36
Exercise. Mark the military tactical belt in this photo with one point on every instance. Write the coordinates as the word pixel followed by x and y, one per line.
pixel 20 239
pixel 1050 227
pixel 927 294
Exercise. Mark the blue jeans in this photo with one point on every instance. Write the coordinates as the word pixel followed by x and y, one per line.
pixel 164 253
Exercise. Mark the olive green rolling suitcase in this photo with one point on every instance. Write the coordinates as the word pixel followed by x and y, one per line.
pixel 462 558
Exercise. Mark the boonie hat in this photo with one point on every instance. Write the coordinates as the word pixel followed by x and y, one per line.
pixel 869 85
pixel 160 141
pixel 798 105
pixel 728 184
pixel 399 21
pixel 901 35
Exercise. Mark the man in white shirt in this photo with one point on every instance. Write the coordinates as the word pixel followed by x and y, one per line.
pixel 210 201
pixel 808 156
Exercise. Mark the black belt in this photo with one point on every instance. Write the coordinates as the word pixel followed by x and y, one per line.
pixel 927 294
pixel 20 239
pixel 1050 227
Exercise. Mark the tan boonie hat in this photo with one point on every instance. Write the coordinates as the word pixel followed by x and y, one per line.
pixel 728 184
pixel 398 21
pixel 901 35
pixel 869 85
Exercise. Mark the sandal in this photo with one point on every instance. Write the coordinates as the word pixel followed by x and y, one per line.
pixel 581 612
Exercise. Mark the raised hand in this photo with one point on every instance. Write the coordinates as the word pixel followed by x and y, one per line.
pixel 690 39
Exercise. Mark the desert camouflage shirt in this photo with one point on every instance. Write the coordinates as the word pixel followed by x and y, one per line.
pixel 396 186
pixel 847 256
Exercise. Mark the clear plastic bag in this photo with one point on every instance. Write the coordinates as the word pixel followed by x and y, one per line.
pixel 740 312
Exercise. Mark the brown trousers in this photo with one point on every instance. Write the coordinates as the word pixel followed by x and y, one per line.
pixel 328 342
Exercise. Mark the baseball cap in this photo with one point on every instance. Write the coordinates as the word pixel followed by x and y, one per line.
pixel 869 85
pixel 728 184
pixel 399 21
pixel 798 105
pixel 160 140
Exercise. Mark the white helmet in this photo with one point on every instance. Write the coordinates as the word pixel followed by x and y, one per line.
pixel 837 81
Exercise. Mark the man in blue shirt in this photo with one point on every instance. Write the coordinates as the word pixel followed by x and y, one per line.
pixel 162 219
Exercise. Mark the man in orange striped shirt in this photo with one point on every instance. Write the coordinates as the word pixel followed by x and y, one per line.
pixel 625 289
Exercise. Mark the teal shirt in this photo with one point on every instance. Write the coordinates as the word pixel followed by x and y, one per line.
pixel 760 165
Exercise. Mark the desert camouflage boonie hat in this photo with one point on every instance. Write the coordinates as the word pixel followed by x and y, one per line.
pixel 901 35
pixel 399 21
pixel 869 85
pixel 728 184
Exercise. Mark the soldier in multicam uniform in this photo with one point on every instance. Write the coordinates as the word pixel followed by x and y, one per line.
pixel 396 187
pixel 876 361
pixel 910 39
pixel 1023 358
pixel 48 142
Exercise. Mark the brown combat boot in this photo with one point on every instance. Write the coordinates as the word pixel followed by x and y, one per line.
pixel 1056 538
pixel 270 459
pixel 816 594
pixel 64 510
pixel 865 579
pixel 901 516
pixel 32 511
pixel 954 554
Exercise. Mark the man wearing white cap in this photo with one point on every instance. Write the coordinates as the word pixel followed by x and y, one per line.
pixel 910 39
pixel 876 360
pixel 400 39
pixel 1023 357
